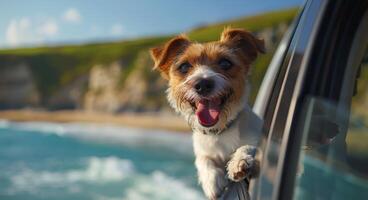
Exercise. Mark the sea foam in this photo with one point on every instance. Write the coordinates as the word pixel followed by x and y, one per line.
pixel 106 170
pixel 97 171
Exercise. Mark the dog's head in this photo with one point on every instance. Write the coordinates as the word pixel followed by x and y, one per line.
pixel 207 82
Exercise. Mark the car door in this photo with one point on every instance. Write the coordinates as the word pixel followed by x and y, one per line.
pixel 310 140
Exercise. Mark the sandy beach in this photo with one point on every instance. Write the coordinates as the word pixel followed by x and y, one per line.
pixel 142 120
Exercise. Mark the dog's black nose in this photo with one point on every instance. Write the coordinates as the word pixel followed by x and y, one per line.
pixel 204 86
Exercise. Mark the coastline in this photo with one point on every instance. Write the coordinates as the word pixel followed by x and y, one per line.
pixel 140 120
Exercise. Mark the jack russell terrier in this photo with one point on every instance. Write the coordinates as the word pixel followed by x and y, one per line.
pixel 208 85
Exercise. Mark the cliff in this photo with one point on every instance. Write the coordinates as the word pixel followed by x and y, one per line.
pixel 115 76
pixel 17 87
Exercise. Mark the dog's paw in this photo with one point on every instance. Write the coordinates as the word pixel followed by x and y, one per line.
pixel 242 165
pixel 239 169
pixel 214 184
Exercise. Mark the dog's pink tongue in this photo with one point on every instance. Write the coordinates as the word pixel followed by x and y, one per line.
pixel 208 112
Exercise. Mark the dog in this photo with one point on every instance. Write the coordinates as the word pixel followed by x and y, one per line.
pixel 208 85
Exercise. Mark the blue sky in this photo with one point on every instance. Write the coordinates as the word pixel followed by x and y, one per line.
pixel 42 22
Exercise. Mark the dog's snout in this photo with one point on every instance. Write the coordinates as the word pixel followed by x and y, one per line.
pixel 204 86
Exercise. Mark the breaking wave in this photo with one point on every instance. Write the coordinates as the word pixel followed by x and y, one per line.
pixel 104 171
pixel 97 170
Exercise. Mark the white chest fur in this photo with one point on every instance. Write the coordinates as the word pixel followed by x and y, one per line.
pixel 218 147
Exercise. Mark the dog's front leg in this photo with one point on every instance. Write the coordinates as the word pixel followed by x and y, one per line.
pixel 211 177
pixel 243 164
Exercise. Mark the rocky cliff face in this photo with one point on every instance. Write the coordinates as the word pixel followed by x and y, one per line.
pixel 102 91
pixel 17 88
pixel 70 96
pixel 143 89
pixel 110 90
pixel 105 88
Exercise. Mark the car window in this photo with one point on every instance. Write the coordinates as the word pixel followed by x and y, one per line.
pixel 333 161
pixel 357 136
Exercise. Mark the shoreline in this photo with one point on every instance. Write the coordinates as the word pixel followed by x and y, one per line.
pixel 139 120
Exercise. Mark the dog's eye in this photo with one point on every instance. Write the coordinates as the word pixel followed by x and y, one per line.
pixel 184 67
pixel 225 64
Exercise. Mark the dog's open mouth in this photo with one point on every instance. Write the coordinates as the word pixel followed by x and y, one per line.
pixel 208 110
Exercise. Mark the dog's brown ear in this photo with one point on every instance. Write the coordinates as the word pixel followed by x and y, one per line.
pixel 164 56
pixel 244 40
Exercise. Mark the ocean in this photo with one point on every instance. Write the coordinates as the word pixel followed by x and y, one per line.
pixel 81 161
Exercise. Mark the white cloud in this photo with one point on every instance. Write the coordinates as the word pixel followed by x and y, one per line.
pixel 25 31
pixel 18 31
pixel 49 28
pixel 11 34
pixel 72 15
pixel 117 29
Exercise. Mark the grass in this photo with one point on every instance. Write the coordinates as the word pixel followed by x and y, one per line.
pixel 252 23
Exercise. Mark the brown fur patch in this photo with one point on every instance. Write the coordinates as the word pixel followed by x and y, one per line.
pixel 164 56
pixel 245 41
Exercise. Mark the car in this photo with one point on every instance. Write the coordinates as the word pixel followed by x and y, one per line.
pixel 313 102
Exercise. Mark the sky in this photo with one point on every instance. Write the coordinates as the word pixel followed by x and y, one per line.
pixel 51 22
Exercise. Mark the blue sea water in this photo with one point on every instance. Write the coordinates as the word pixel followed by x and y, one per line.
pixel 41 160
